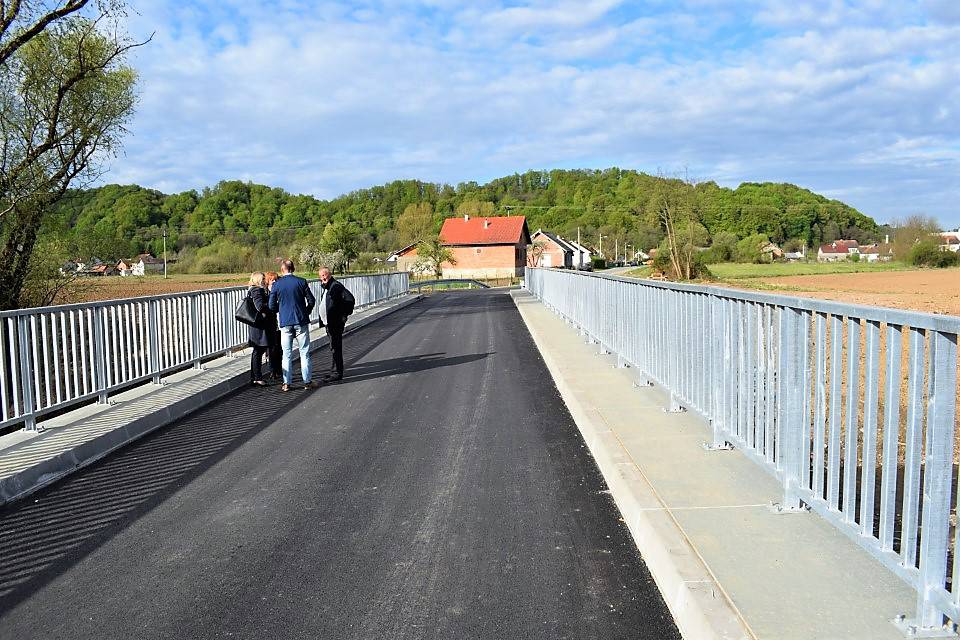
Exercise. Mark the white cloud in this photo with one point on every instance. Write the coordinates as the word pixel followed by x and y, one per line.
pixel 326 98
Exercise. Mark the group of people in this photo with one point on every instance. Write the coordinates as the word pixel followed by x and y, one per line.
pixel 284 304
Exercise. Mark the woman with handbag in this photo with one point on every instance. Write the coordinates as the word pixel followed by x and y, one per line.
pixel 274 354
pixel 258 335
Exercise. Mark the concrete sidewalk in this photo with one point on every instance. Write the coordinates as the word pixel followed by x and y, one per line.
pixel 30 460
pixel 727 565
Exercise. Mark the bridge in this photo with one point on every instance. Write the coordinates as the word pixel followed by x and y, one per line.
pixel 587 457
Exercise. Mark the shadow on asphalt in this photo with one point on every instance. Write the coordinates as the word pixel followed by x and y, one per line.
pixel 48 532
pixel 409 364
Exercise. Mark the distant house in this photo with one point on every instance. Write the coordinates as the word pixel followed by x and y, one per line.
pixel 795 256
pixel 70 266
pixel 950 241
pixel 125 267
pixel 838 250
pixel 581 255
pixel 145 263
pixel 103 270
pixel 486 246
pixel 403 259
pixel 555 251
pixel 771 251
pixel 882 252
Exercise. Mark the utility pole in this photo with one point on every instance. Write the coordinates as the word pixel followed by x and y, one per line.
pixel 164 251
pixel 616 249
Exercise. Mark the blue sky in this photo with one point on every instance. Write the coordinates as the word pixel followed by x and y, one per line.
pixel 858 100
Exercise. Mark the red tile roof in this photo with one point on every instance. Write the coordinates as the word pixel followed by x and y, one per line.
pixel 839 246
pixel 485 230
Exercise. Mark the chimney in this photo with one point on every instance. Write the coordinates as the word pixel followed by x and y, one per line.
pixel 466 217
pixel 486 224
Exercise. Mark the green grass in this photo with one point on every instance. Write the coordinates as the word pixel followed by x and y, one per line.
pixel 639 272
pixel 739 271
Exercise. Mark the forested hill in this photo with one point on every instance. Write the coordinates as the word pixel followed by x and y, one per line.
pixel 116 221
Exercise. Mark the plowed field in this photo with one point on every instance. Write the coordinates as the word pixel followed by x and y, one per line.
pixel 929 290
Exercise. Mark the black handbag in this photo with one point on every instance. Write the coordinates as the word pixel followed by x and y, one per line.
pixel 247 312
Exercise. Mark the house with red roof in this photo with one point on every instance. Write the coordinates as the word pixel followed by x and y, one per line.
pixel 838 250
pixel 486 246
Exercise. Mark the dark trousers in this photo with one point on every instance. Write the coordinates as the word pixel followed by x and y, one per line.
pixel 335 332
pixel 275 355
pixel 256 362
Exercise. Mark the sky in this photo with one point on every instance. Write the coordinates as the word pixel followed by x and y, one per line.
pixel 856 100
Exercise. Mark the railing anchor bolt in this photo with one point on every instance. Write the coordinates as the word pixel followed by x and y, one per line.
pixel 777 507
pixel 717 446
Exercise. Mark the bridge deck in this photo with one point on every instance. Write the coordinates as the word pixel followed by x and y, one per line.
pixel 440 491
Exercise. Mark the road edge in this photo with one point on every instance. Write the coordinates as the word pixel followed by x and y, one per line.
pixel 700 610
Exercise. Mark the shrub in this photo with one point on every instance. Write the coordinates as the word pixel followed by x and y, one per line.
pixel 748 249
pixel 928 254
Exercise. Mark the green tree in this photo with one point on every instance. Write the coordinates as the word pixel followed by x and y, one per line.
pixel 432 255
pixel 65 95
pixel 342 237
pixel 750 249
pixel 724 246
pixel 415 224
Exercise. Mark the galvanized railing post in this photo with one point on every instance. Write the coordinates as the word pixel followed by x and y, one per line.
pixel 937 483
pixel 100 375
pixel 195 331
pixel 26 374
pixel 789 376
pixel 153 339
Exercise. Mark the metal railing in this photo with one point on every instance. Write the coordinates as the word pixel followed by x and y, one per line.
pixel 56 357
pixel 852 408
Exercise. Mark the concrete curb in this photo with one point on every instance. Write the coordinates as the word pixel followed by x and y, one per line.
pixel 23 483
pixel 700 608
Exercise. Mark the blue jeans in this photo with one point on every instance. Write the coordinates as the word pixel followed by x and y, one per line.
pixel 300 333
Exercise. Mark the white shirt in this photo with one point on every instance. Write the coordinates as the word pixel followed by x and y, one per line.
pixel 323 305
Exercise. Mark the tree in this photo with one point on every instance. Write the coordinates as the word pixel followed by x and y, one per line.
pixel 674 202
pixel 535 252
pixel 341 237
pixel 415 224
pixel 750 249
pixel 915 229
pixel 65 96
pixel 724 245
pixel 431 256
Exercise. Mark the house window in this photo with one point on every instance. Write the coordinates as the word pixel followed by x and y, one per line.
pixel 478 251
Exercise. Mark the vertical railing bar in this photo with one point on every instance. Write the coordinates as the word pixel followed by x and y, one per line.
pixel 804 379
pixel 891 437
pixel 871 399
pixel 58 365
pixel 912 453
pixel 852 421
pixel 45 350
pixel 820 406
pixel 836 404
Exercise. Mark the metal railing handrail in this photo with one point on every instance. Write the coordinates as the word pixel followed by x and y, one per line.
pixel 53 358
pixel 825 396
pixel 919 319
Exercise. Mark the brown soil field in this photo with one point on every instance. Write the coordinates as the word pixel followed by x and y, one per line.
pixel 113 288
pixel 929 290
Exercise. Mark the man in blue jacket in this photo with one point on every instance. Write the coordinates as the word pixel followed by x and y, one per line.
pixel 292 301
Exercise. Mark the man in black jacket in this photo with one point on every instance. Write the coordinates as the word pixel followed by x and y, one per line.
pixel 336 303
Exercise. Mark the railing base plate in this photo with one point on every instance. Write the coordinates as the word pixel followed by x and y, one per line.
pixel 722 446
pixel 911 630
pixel 777 507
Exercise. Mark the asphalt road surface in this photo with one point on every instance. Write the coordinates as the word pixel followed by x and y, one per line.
pixel 441 490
